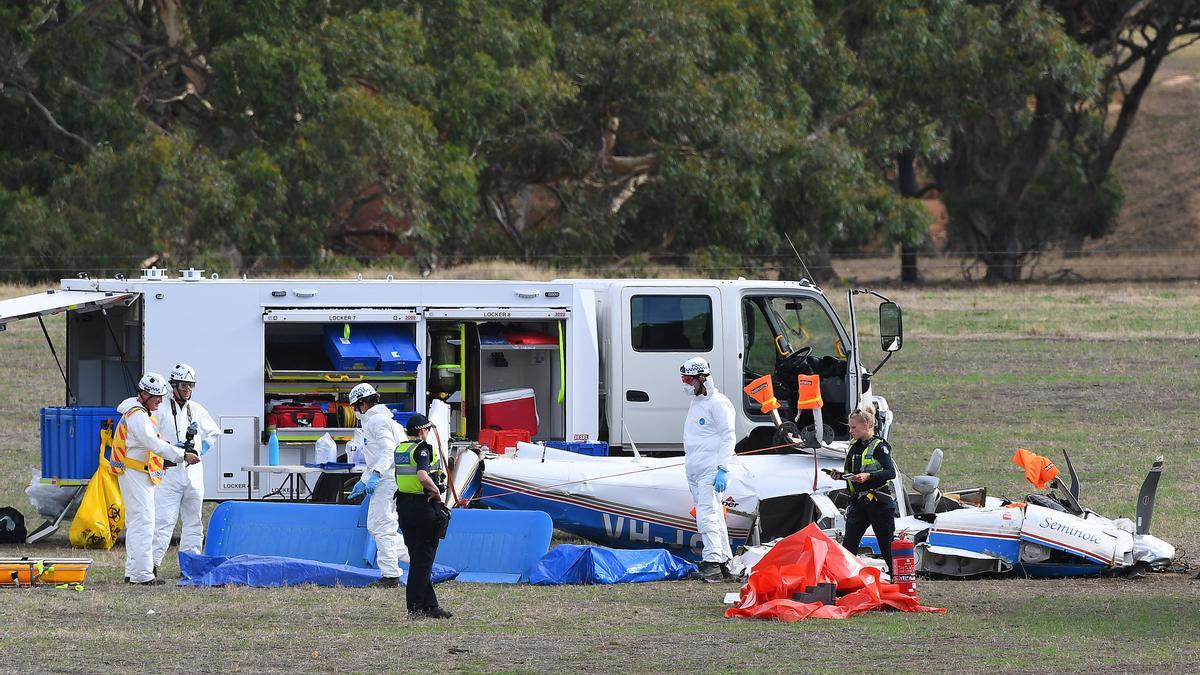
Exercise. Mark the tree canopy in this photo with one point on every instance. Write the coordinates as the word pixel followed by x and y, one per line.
pixel 252 135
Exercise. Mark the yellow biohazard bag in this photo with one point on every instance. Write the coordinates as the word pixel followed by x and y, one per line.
pixel 101 515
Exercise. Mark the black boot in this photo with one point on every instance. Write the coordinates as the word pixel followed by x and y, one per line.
pixel 431 613
pixel 385 582
pixel 710 572
pixel 727 574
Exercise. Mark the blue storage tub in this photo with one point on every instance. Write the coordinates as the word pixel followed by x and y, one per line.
pixel 355 353
pixel 395 348
pixel 71 440
pixel 399 413
pixel 593 448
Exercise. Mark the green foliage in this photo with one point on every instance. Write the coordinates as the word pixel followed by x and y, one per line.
pixel 1064 196
pixel 103 204
pixel 272 87
pixel 275 131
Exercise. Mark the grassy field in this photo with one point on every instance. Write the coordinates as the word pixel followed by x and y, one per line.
pixel 1109 372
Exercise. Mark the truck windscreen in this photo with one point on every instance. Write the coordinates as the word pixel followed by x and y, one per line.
pixel 804 324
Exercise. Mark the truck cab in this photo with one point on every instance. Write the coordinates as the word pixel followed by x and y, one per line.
pixel 745 329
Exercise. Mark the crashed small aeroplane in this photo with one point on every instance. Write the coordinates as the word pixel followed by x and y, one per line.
pixel 640 502
pixel 966 533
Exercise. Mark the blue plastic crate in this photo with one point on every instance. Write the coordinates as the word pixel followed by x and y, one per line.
pixel 399 413
pixel 593 448
pixel 395 348
pixel 354 353
pixel 71 440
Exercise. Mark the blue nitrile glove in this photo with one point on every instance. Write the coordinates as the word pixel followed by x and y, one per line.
pixel 360 489
pixel 722 480
pixel 372 482
pixel 205 446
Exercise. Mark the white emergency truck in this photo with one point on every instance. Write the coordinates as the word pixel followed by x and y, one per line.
pixel 600 357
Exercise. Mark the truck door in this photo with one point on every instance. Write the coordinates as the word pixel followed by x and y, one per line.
pixel 776 325
pixel 660 329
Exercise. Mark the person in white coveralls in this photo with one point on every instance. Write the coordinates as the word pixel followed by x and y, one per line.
pixel 708 441
pixel 139 453
pixel 181 493
pixel 382 436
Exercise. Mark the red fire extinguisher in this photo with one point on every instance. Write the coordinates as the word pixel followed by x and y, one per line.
pixel 904 565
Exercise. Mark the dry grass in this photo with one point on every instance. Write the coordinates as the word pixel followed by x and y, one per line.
pixel 1050 267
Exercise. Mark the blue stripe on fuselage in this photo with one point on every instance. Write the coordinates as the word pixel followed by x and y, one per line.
pixel 603 527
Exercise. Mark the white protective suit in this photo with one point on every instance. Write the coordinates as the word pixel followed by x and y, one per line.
pixel 181 493
pixel 382 435
pixel 708 440
pixel 138 491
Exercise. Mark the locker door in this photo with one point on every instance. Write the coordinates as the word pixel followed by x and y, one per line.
pixel 236 447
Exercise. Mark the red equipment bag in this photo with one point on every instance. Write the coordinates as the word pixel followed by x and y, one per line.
pixel 528 337
pixel 286 415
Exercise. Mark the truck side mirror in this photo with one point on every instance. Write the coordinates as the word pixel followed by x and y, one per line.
pixel 891 327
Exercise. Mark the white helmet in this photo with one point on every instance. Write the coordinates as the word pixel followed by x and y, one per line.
pixel 182 372
pixel 154 384
pixel 361 391
pixel 695 366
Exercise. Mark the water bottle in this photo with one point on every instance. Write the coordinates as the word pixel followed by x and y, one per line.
pixel 273 450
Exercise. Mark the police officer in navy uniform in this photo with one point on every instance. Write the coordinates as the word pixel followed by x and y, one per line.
pixel 418 498
pixel 868 468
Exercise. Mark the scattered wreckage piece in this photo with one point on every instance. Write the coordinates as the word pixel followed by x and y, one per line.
pixel 967 533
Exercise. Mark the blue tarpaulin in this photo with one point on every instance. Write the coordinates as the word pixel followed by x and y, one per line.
pixel 572 564
pixel 266 571
pixel 484 546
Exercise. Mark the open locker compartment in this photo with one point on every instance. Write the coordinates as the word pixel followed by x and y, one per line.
pixel 307 382
pixel 69 435
pixel 104 353
pixel 501 352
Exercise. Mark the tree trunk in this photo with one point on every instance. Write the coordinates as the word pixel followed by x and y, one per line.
pixel 1004 259
pixel 1073 247
pixel 909 273
pixel 906 183
pixel 821 267
pixel 817 268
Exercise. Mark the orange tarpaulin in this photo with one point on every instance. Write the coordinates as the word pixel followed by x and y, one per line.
pixel 1038 469
pixel 807 558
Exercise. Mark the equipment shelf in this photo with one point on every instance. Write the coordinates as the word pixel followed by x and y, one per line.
pixel 311 434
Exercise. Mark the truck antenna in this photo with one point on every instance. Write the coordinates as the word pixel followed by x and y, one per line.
pixel 807 274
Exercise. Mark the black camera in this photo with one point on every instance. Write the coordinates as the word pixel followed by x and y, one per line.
pixel 441 519
pixel 189 438
pixel 189 443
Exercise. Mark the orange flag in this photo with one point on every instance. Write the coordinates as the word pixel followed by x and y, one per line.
pixel 1038 470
